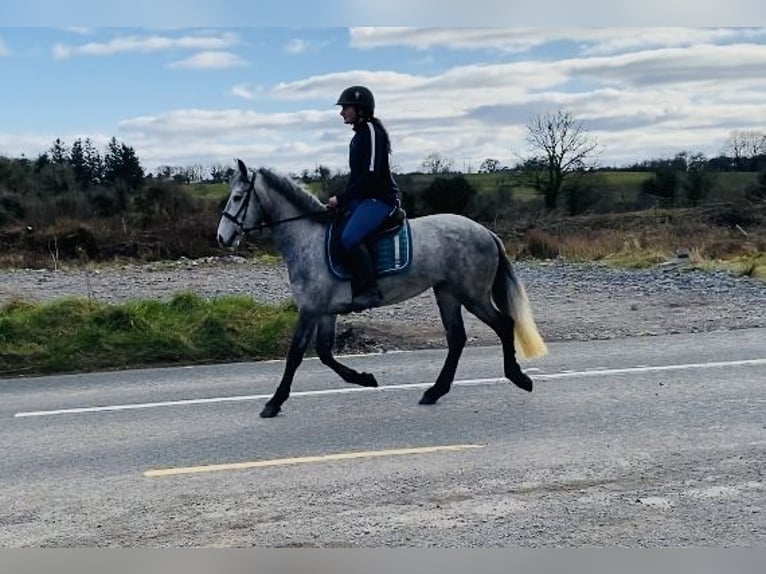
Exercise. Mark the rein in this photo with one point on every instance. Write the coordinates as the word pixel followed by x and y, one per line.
pixel 266 225
pixel 238 218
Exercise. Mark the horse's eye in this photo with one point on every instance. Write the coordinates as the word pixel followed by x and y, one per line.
pixel 237 197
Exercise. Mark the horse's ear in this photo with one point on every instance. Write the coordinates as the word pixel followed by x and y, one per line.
pixel 242 168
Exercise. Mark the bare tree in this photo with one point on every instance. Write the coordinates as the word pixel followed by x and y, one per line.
pixel 435 163
pixel 489 165
pixel 744 144
pixel 561 146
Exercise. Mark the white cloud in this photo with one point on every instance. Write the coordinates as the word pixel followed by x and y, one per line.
pixel 612 41
pixel 674 65
pixel 504 39
pixel 591 40
pixel 225 122
pixel 328 86
pixel 155 43
pixel 4 51
pixel 210 60
pixel 243 91
pixel 297 46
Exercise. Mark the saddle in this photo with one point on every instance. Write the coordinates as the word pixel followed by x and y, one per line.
pixel 390 246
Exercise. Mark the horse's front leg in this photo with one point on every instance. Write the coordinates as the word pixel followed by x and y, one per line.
pixel 301 337
pixel 324 344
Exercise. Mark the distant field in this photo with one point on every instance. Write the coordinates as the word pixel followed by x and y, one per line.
pixel 624 185
pixel 209 190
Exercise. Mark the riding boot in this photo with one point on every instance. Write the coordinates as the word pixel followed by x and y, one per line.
pixel 364 284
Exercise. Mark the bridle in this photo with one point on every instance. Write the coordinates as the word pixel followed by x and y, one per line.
pixel 238 218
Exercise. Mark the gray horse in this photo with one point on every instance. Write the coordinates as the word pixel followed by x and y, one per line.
pixel 463 262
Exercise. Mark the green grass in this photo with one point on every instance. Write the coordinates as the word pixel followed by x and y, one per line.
pixel 214 191
pixel 749 265
pixel 80 335
pixel 490 182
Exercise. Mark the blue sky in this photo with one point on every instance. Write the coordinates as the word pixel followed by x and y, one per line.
pixel 206 95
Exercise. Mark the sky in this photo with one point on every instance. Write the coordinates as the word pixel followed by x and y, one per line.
pixel 205 95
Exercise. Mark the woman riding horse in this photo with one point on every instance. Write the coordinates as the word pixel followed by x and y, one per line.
pixel 371 194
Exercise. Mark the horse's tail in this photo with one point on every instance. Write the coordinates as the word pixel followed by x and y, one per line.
pixel 510 297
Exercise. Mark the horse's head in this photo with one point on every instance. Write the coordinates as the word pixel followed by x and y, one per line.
pixel 242 212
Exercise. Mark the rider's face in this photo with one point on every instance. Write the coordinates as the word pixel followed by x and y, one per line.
pixel 349 115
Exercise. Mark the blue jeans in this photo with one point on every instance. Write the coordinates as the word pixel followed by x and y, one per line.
pixel 365 218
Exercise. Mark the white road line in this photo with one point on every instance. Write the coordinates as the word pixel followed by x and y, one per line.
pixel 386 388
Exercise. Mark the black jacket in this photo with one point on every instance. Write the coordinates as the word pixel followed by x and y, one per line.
pixel 370 174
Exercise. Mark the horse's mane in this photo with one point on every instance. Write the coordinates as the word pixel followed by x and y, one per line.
pixel 295 193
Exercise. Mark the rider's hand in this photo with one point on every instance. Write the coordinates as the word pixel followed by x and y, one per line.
pixel 333 201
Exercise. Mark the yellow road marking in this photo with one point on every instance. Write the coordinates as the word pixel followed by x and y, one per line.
pixel 306 459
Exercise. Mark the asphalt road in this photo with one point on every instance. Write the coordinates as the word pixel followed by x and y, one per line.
pixel 656 441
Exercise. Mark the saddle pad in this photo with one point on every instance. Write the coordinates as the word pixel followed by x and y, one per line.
pixel 391 251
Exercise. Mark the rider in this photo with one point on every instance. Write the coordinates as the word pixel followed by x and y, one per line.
pixel 371 193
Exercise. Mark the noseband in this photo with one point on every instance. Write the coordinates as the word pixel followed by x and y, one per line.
pixel 238 218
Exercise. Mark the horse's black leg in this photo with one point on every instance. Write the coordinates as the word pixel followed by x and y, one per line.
pixel 324 344
pixel 502 325
pixel 449 308
pixel 301 337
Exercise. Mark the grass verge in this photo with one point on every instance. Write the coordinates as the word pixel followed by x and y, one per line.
pixel 81 335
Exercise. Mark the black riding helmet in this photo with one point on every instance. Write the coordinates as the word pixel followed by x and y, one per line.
pixel 357 96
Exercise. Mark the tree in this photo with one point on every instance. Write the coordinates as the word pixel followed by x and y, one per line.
pixel 323 175
pixel 489 165
pixel 757 191
pixel 58 153
pixel 699 181
pixel 561 146
pixel 448 195
pixel 221 173
pixel 79 164
pixel 121 165
pixel 743 145
pixel 112 161
pixel 434 163
pixel 662 186
pixel 43 160
pixel 93 162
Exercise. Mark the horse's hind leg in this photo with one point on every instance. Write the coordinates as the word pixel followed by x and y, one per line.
pixel 449 308
pixel 502 325
pixel 301 337
pixel 324 343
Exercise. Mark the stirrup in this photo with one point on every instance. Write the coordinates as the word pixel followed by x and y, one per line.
pixel 366 300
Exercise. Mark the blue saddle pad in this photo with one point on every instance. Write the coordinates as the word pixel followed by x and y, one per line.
pixel 392 252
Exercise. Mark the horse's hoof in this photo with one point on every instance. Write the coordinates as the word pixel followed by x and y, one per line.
pixel 368 380
pixel 269 411
pixel 428 399
pixel 522 381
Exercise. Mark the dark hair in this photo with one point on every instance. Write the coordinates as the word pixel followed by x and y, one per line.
pixel 379 125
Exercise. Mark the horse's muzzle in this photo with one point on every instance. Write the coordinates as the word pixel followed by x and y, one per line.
pixel 231 243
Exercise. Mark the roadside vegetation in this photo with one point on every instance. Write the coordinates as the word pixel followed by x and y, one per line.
pixel 84 335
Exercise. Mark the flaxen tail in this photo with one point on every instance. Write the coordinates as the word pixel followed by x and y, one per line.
pixel 510 297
